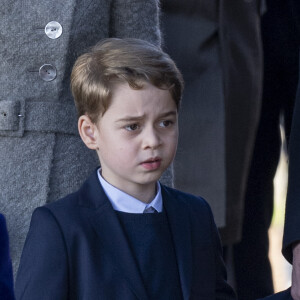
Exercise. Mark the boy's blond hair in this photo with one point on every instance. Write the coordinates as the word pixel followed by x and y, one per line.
pixel 114 61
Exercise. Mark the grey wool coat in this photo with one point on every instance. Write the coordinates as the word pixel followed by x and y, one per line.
pixel 41 155
pixel 217 46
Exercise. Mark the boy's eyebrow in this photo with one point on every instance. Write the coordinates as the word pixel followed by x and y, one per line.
pixel 169 113
pixel 139 118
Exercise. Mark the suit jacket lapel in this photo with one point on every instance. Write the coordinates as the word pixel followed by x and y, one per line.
pixel 111 235
pixel 178 218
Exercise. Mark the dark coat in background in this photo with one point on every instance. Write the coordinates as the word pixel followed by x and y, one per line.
pixel 217 46
pixel 6 276
pixel 42 157
pixel 292 213
pixel 279 91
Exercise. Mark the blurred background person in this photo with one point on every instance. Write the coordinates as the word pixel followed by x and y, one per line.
pixel 217 46
pixel 291 237
pixel 280 45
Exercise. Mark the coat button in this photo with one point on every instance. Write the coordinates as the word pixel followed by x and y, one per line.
pixel 53 30
pixel 47 72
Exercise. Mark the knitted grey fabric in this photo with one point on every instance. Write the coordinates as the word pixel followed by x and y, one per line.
pixel 39 162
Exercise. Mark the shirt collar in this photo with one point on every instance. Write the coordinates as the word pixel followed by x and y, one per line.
pixel 121 201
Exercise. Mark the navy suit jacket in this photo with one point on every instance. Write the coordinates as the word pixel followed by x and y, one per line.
pixel 76 249
pixel 6 277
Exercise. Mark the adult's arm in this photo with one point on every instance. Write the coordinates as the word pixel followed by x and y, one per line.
pixel 6 277
pixel 295 290
pixel 43 268
pixel 136 19
pixel 291 237
pixel 295 9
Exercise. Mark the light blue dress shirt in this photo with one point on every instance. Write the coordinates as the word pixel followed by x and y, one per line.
pixel 121 201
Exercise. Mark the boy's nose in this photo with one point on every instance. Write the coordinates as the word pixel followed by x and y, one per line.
pixel 151 139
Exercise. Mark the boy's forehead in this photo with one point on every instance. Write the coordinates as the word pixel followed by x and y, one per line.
pixel 123 88
pixel 127 99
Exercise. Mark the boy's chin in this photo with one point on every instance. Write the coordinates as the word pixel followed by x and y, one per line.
pixel 153 178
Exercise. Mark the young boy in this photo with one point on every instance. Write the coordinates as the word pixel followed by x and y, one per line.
pixel 123 235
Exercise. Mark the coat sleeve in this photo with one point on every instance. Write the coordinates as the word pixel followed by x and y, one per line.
pixel 292 213
pixel 43 268
pixel 223 289
pixel 6 277
pixel 295 10
pixel 136 19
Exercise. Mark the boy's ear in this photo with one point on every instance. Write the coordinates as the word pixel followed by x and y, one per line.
pixel 87 130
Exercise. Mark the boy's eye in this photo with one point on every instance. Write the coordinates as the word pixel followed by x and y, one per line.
pixel 132 127
pixel 165 123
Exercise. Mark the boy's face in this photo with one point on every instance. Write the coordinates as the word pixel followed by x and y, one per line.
pixel 136 138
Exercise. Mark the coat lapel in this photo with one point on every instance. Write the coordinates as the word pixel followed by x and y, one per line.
pixel 111 235
pixel 178 217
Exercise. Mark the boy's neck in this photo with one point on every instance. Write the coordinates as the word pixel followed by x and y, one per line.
pixel 143 192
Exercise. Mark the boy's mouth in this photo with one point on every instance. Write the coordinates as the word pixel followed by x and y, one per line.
pixel 152 163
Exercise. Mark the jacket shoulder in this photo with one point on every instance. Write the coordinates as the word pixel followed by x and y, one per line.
pixel 89 195
pixel 192 201
pixel 68 201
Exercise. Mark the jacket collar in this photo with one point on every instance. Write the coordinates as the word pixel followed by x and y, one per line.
pixel 111 235
pixel 178 217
